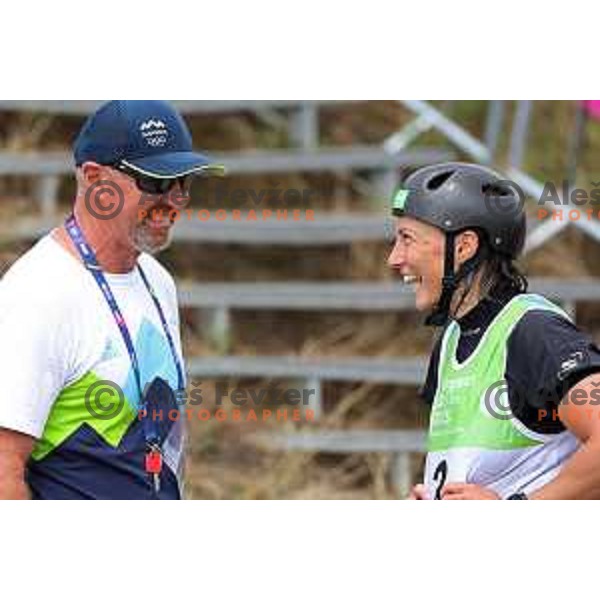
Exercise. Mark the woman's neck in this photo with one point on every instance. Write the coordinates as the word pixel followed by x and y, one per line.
pixel 467 297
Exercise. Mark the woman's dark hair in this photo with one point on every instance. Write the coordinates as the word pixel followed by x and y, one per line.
pixel 500 275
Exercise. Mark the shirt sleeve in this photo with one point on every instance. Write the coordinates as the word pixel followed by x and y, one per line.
pixel 547 356
pixel 33 359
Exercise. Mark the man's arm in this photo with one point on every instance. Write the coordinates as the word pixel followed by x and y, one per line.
pixel 15 449
pixel 580 477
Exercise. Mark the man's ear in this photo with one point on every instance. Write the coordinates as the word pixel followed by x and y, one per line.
pixel 467 244
pixel 91 172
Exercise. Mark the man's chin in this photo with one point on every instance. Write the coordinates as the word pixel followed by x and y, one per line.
pixel 152 241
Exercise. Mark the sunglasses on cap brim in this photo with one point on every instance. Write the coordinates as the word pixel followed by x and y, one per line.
pixel 153 185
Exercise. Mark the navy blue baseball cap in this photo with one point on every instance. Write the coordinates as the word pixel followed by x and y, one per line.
pixel 148 136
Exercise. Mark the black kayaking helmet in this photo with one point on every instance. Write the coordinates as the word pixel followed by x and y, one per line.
pixel 456 197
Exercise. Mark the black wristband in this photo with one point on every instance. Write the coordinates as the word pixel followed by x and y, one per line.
pixel 518 496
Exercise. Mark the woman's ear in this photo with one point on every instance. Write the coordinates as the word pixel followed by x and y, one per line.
pixel 467 244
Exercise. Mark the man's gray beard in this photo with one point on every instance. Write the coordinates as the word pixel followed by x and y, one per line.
pixel 144 241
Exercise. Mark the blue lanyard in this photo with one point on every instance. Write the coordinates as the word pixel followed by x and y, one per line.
pixel 90 261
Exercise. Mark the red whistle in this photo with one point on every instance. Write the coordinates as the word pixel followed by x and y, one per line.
pixel 153 462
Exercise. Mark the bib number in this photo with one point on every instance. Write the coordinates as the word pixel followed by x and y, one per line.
pixel 439 477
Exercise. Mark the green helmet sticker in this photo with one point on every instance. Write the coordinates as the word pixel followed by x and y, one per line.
pixel 400 199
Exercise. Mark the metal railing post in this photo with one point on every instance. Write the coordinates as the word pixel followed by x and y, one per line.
pixel 520 131
pixel 493 127
pixel 216 327
pixel 401 474
pixel 304 125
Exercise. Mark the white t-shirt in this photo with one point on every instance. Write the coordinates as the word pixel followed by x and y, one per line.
pixel 56 331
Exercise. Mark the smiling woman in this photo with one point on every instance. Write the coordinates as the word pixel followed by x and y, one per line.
pixel 449 212
pixel 418 258
pixel 459 251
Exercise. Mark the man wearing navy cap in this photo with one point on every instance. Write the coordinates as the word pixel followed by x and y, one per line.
pixel 90 353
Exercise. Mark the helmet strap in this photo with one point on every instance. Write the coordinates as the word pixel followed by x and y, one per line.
pixel 441 314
